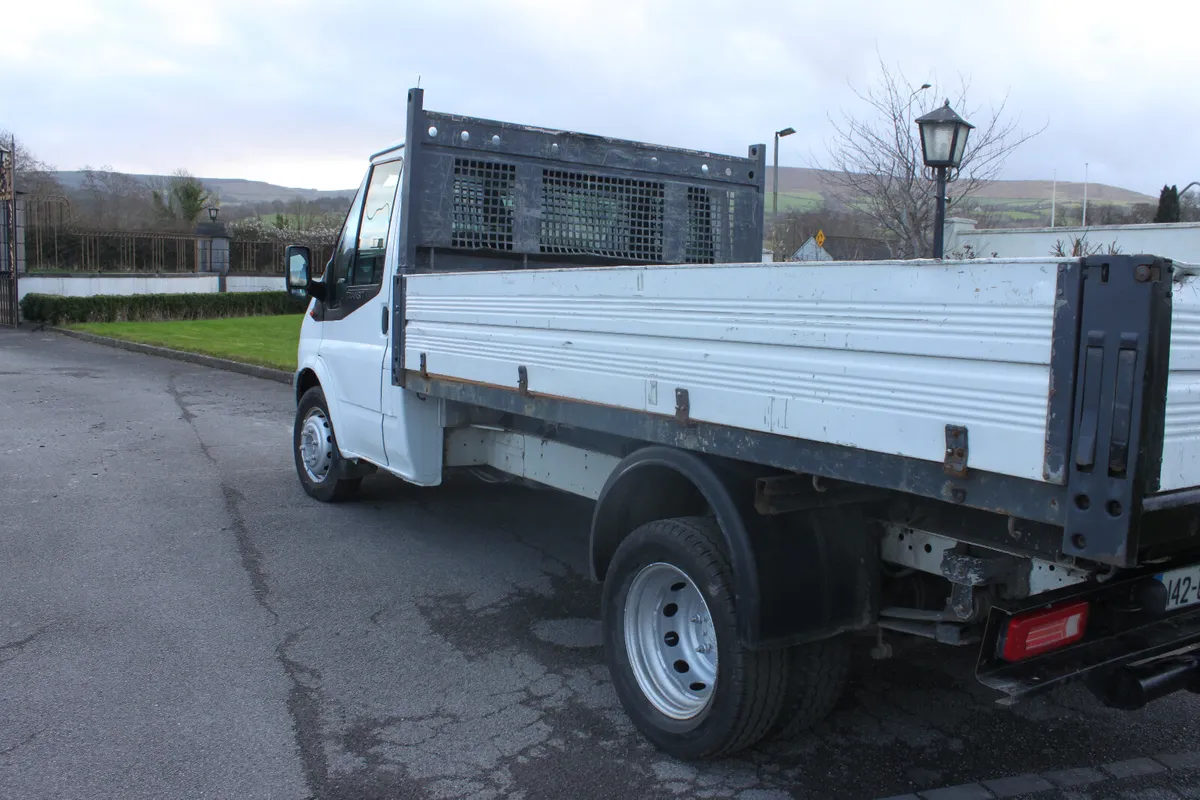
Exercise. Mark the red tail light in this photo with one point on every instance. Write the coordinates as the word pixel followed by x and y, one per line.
pixel 1036 632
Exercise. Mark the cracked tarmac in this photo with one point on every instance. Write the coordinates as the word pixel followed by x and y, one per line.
pixel 177 619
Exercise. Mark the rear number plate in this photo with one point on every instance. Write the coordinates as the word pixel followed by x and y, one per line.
pixel 1183 586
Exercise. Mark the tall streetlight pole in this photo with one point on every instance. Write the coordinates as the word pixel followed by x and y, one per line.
pixel 775 189
pixel 943 142
pixel 913 96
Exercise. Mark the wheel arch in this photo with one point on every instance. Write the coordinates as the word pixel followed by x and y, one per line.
pixel 305 379
pixel 796 577
pixel 316 374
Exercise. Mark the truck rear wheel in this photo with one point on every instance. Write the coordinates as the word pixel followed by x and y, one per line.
pixel 816 679
pixel 670 640
pixel 314 445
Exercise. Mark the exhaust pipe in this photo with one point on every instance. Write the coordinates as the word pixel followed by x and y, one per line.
pixel 1131 688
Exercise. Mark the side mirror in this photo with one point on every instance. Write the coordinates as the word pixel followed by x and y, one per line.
pixel 299 270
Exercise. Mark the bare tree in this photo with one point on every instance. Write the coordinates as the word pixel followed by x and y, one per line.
pixel 34 176
pixel 1189 206
pixel 113 200
pixel 301 213
pixel 1080 246
pixel 875 161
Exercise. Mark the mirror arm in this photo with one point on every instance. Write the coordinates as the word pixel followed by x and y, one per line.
pixel 316 289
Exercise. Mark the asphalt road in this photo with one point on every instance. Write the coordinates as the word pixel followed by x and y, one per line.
pixel 177 619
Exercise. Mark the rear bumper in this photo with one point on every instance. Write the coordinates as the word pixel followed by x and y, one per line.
pixel 1137 662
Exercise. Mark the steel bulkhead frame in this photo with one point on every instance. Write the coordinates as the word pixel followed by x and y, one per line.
pixel 504 170
pixel 409 229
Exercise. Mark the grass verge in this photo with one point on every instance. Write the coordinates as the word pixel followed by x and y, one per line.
pixel 264 341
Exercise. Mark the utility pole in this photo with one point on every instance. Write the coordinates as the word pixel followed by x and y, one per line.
pixel 1053 198
pixel 775 189
pixel 1085 183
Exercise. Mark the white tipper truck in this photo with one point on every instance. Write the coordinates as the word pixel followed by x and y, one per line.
pixel 1000 454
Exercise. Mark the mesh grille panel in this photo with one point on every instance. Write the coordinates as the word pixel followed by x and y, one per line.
pixel 600 215
pixel 482 215
pixel 710 225
pixel 701 238
pixel 729 225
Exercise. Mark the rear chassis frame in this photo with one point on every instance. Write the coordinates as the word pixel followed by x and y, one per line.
pixel 1133 651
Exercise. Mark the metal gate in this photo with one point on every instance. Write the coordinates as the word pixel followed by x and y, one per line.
pixel 10 236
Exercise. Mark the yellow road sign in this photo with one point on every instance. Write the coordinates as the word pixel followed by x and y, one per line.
pixel 820 237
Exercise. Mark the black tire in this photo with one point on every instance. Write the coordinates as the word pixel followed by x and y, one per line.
pixel 749 690
pixel 331 487
pixel 816 679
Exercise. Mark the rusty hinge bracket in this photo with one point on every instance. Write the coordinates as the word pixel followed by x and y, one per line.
pixel 956 451
pixel 683 407
pixel 523 379
pixel 424 367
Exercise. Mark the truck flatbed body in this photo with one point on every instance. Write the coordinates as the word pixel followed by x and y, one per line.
pixel 879 357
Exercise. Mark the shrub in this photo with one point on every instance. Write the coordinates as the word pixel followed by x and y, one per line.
pixel 58 310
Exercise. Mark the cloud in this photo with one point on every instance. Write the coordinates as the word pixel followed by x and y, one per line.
pixel 277 88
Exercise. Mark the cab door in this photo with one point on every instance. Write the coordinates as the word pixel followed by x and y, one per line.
pixel 355 335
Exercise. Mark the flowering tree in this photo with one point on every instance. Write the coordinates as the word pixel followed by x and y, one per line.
pixel 254 229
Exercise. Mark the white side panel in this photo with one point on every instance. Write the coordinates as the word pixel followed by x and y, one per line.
pixel 878 356
pixel 1181 437
pixel 561 466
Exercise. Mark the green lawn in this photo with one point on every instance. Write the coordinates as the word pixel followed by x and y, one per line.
pixel 265 341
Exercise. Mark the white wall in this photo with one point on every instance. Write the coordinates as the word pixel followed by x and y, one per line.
pixel 89 285
pixel 1179 240
pixel 254 283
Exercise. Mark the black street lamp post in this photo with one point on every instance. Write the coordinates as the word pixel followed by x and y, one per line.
pixel 943 142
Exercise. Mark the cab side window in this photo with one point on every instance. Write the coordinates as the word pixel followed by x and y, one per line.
pixel 343 255
pixel 368 264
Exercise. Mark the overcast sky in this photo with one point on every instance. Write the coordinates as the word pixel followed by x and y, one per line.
pixel 298 92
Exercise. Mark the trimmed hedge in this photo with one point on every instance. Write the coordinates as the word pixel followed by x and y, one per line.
pixel 58 310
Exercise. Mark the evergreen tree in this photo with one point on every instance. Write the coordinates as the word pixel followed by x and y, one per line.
pixel 1168 205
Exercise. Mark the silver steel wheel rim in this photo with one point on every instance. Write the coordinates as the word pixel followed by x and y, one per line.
pixel 316 445
pixel 671 642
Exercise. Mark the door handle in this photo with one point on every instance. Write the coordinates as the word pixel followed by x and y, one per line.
pixel 384 319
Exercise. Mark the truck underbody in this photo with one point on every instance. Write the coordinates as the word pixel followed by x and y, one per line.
pixel 999 454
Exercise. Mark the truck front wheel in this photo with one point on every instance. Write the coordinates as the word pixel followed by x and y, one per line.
pixel 314 444
pixel 670 639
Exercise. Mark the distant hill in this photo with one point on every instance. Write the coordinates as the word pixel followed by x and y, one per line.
pixel 232 191
pixel 812 183
pixel 802 180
